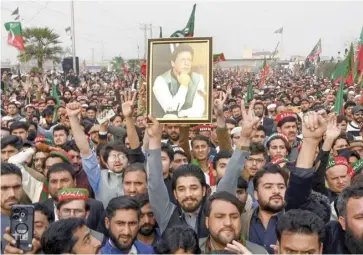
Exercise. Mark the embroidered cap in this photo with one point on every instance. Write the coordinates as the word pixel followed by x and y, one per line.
pixel 285 115
pixel 73 193
pixel 337 161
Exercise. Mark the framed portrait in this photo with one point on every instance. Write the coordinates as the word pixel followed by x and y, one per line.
pixel 179 83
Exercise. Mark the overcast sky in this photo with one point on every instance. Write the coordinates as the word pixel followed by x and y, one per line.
pixel 233 25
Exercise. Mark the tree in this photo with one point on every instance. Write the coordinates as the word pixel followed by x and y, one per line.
pixel 41 44
pixel 116 64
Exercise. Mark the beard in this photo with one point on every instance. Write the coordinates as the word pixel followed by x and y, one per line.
pixel 272 208
pixel 190 208
pixel 354 244
pixel 164 136
pixel 224 238
pixel 118 245
pixel 147 229
pixel 174 138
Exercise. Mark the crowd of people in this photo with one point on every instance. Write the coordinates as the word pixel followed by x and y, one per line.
pixel 278 174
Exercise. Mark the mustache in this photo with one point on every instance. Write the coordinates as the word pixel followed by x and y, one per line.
pixel 147 225
pixel 273 197
pixel 227 229
pixel 125 236
pixel 191 199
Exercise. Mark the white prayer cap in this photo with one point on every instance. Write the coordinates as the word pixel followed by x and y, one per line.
pixel 85 105
pixel 6 118
pixel 357 96
pixel 351 92
pixel 278 87
pixel 14 76
pixel 271 106
pixel 236 130
pixel 326 91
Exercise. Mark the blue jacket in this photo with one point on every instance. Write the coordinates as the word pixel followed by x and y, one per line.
pixel 141 248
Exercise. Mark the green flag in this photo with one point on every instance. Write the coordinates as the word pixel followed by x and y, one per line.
pixel 346 69
pixel 315 51
pixel 15 36
pixel 249 96
pixel 57 96
pixel 188 31
pixel 338 106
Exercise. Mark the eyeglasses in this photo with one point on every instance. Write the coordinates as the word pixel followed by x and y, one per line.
pixel 257 160
pixel 117 156
pixel 75 212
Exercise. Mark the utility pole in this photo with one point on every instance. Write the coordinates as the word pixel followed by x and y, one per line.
pixel 73 38
pixel 145 28
pixel 138 52
pixel 151 30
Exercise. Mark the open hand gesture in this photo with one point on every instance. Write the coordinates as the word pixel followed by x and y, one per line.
pixel 128 103
pixel 73 109
pixel 249 120
pixel 333 131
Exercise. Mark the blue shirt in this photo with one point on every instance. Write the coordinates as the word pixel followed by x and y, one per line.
pixel 141 248
pixel 259 235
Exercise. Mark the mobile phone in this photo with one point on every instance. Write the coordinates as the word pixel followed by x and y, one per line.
pixel 22 226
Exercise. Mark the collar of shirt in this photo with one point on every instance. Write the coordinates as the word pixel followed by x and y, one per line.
pixel 256 218
pixel 194 214
pixel 113 173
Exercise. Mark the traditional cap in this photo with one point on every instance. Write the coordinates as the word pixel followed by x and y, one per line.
pixel 85 105
pixel 306 99
pixel 356 143
pixel 6 118
pixel 43 139
pixel 179 150
pixel 73 194
pixel 236 130
pixel 275 135
pixel 62 154
pixel 357 166
pixel 337 161
pixel 271 106
pixel 29 105
pixel 285 115
pixel 203 128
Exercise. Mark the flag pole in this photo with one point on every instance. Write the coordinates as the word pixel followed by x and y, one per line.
pixel 281 46
pixel 73 38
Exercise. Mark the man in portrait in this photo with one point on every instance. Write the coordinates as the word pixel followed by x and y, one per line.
pixel 179 92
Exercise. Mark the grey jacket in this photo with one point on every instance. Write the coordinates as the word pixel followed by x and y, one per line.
pixel 160 202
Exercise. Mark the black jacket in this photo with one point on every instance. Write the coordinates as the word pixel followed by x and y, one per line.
pixel 268 125
pixel 96 210
pixel 334 242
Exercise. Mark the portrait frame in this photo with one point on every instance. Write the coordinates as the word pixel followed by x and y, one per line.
pixel 161 66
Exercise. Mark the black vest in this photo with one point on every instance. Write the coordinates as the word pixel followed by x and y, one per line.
pixel 177 219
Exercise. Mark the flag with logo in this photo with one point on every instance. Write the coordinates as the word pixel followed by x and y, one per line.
pixel 188 31
pixel 15 36
pixel 316 51
pixel 218 58
pixel 338 106
pixel 263 74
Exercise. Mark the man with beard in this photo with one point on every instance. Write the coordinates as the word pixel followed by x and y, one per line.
pixel 148 233
pixel 60 135
pixel 122 222
pixel 69 236
pixel 287 125
pixel 354 125
pixel 67 95
pixel 189 182
pixel 173 132
pixel 346 236
pixel 11 191
pixel 224 224
pixel 80 175
pixel 270 183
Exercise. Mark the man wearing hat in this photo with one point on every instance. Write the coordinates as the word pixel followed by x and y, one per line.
pixel 354 125
pixel 357 145
pixel 287 125
pixel 73 203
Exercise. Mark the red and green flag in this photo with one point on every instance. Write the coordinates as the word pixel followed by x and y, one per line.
pixel 218 58
pixel 359 60
pixel 315 52
pixel 346 69
pixel 338 106
pixel 15 36
pixel 188 31
pixel 263 74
